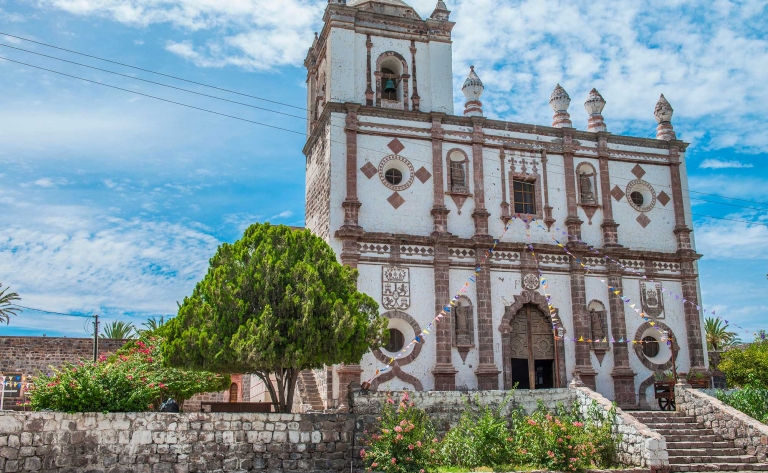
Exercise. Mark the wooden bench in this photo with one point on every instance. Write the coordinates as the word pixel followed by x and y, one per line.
pixel 248 407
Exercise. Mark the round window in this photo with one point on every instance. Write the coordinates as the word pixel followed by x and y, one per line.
pixel 394 176
pixel 396 341
pixel 640 195
pixel 650 347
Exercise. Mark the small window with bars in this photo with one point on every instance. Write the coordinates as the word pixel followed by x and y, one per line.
pixel 524 195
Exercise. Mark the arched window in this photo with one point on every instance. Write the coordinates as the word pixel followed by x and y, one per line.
pixel 457 172
pixel 392 81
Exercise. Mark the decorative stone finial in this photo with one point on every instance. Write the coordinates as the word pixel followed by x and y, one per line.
pixel 594 106
pixel 663 113
pixel 559 101
pixel 473 89
pixel 441 11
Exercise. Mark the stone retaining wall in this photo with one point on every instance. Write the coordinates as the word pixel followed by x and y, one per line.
pixel 726 421
pixel 639 445
pixel 177 443
pixel 30 355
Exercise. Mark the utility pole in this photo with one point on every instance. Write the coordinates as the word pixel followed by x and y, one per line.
pixel 96 338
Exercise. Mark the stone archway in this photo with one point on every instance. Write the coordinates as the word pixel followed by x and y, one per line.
pixel 540 302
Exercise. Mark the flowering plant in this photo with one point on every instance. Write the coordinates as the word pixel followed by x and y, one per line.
pixel 565 441
pixel 132 380
pixel 405 441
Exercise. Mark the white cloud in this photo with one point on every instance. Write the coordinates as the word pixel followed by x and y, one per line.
pixel 719 164
pixel 722 239
pixel 74 259
pixel 138 42
pixel 47 182
pixel 255 34
pixel 283 214
pixel 240 221
pixel 44 182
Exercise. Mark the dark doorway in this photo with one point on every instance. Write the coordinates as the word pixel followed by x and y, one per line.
pixel 520 373
pixel 545 378
pixel 532 346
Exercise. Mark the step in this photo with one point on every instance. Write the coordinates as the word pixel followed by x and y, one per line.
pixel 714 459
pixel 720 467
pixel 694 438
pixel 699 452
pixel 685 445
pixel 668 418
pixel 667 425
pixel 697 432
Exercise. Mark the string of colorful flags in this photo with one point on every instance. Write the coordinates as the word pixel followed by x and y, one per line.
pixel 644 276
pixel 420 337
pixel 558 330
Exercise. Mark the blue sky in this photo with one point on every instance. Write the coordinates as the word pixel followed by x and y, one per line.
pixel 113 203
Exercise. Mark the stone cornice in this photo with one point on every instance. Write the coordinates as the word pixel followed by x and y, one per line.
pixel 368 22
pixel 488 124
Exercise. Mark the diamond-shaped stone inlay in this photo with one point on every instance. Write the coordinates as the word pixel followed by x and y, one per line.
pixel 663 198
pixel 638 171
pixel 396 146
pixel 369 170
pixel 617 193
pixel 423 175
pixel 643 220
pixel 396 200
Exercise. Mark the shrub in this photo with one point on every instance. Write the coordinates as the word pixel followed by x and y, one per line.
pixel 751 400
pixel 565 441
pixel 405 441
pixel 479 439
pixel 739 363
pixel 132 380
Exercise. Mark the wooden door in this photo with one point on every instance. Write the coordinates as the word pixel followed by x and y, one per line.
pixel 531 341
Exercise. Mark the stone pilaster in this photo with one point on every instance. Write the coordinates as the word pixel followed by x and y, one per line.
pixel 480 215
pixel 581 326
pixel 487 371
pixel 415 97
pixel 368 78
pixel 351 231
pixel 696 348
pixel 439 210
pixel 682 232
pixel 443 371
pixel 572 222
pixel 609 226
pixel 347 374
pixel 622 374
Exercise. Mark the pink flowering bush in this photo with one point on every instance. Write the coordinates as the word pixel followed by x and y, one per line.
pixel 405 440
pixel 132 380
pixel 565 441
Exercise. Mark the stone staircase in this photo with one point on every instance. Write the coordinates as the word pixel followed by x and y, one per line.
pixel 693 448
pixel 309 392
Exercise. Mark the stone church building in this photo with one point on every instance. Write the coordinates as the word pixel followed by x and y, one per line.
pixel 413 195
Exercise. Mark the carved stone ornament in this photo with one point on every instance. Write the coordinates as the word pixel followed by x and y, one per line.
pixel 395 287
pixel 652 299
pixel 531 281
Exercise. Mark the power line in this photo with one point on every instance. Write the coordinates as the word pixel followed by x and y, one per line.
pixel 281 128
pixel 242 94
pixel 52 312
pixel 152 72
pixel 153 97
pixel 153 82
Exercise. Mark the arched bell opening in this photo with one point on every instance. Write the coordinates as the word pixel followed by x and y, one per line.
pixel 533 357
pixel 392 81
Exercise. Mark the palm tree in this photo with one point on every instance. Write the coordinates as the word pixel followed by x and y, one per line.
pixel 153 324
pixel 718 336
pixel 7 308
pixel 119 330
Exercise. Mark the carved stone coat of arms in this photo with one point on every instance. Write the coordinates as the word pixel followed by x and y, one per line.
pixel 395 288
pixel 652 299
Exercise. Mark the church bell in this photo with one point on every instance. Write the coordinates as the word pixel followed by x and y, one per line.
pixel 390 87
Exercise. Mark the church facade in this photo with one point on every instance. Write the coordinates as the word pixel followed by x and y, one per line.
pixel 414 196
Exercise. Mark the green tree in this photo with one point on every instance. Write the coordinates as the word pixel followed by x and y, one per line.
pixel 718 336
pixel 739 363
pixel 7 308
pixel 119 330
pixel 274 303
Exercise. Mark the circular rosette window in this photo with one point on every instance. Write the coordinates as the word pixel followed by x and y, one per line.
pixel 402 330
pixel 396 172
pixel 641 195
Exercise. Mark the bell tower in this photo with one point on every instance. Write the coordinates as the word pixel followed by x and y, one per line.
pixel 381 53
